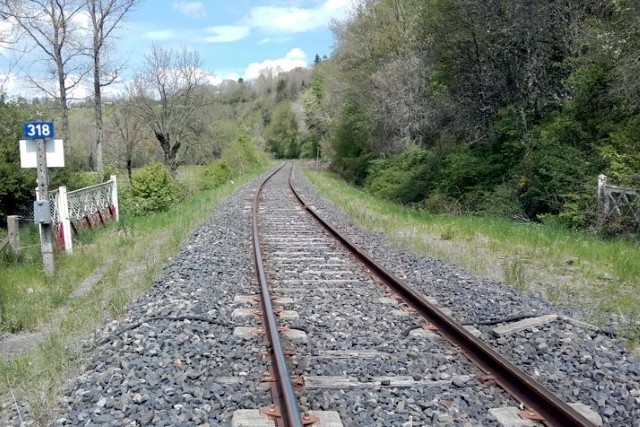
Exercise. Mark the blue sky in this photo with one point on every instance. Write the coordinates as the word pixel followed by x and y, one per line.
pixel 235 38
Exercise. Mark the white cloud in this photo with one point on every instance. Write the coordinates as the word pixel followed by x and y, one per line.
pixel 161 35
pixel 285 19
pixel 271 20
pixel 5 34
pixel 293 59
pixel 82 20
pixel 226 33
pixel 192 9
pixel 337 5
pixel 295 19
pixel 214 80
pixel 9 83
pixel 269 40
pixel 15 85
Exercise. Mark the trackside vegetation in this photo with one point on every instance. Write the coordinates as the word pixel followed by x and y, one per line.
pixel 506 108
pixel 121 260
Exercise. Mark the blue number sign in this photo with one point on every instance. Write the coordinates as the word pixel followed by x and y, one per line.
pixel 38 130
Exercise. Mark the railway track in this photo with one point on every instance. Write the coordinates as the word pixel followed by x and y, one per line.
pixel 193 350
pixel 392 341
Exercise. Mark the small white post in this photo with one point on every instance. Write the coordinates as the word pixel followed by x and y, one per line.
pixel 114 197
pixel 602 182
pixel 65 222
pixel 603 198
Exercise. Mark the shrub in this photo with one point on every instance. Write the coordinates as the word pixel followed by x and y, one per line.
pixel 464 171
pixel 152 189
pixel 242 155
pixel 579 210
pixel 215 175
pixel 502 202
pixel 79 180
pixel 403 178
pixel 553 169
pixel 438 203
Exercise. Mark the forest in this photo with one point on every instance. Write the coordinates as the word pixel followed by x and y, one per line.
pixel 498 107
pixel 508 108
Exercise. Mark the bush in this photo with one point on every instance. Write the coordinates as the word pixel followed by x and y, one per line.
pixel 79 180
pixel 552 171
pixel 463 172
pixel 242 155
pixel 579 210
pixel 152 190
pixel 502 202
pixel 438 203
pixel 403 178
pixel 215 175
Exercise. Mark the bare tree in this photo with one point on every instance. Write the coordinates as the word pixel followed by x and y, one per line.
pixel 400 88
pixel 128 132
pixel 50 25
pixel 106 16
pixel 166 97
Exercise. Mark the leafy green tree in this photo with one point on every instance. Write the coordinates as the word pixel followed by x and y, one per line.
pixel 351 144
pixel 282 135
pixel 16 184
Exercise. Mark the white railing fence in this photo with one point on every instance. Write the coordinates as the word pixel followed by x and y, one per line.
pixel 618 204
pixel 87 207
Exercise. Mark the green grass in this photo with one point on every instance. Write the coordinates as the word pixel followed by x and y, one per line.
pixel 138 247
pixel 564 266
pixel 28 298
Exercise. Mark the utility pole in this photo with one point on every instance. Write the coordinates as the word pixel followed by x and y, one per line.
pixel 46 228
pixel 37 136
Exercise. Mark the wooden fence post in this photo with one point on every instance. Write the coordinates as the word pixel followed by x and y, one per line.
pixel 13 226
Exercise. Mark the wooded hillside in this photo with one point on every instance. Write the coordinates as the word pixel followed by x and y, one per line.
pixel 507 107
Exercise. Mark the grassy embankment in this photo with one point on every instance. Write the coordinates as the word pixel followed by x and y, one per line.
pixel 563 266
pixel 134 251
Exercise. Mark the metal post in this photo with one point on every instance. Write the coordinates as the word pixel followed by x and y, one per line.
pixel 46 230
pixel 13 226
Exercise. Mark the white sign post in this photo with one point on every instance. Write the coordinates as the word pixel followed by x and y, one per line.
pixel 39 144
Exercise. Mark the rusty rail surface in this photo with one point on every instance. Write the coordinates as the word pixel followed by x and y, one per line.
pixel 535 397
pixel 283 395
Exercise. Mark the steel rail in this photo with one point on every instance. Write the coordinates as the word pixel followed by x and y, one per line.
pixel 284 397
pixel 509 377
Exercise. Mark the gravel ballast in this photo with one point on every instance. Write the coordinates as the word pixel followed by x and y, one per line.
pixel 576 363
pixel 173 359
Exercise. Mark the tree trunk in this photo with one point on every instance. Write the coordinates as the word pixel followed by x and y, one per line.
pixel 64 109
pixel 98 113
pixel 170 153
